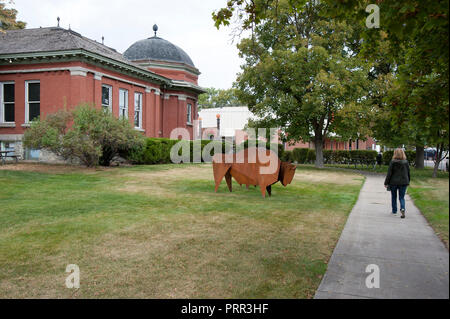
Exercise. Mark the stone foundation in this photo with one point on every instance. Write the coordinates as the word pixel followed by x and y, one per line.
pixel 39 155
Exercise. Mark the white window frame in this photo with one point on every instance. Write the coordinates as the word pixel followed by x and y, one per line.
pixel 138 94
pixel 2 101
pixel 10 148
pixel 110 96
pixel 189 113
pixel 27 103
pixel 123 107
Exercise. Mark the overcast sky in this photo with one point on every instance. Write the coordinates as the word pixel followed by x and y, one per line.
pixel 185 23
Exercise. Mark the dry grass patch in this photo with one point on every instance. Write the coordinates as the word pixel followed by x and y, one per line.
pixel 52 168
pixel 157 182
pixel 334 177
pixel 162 232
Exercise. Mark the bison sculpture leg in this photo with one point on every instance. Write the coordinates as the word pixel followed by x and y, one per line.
pixel 221 170
pixel 269 190
pixel 263 190
pixel 228 179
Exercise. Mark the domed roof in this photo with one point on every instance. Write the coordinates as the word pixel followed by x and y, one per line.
pixel 158 49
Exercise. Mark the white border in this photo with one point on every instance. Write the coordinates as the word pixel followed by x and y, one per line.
pixel 190 114
pixel 2 105
pixel 126 104
pixel 27 107
pixel 110 97
pixel 140 111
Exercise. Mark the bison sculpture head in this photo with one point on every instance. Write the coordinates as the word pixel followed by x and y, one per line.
pixel 287 172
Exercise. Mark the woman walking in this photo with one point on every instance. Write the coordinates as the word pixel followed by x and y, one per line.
pixel 397 180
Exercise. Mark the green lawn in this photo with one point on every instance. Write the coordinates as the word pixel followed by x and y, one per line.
pixel 162 232
pixel 431 196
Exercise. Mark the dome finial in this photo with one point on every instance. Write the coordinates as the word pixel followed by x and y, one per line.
pixel 155 28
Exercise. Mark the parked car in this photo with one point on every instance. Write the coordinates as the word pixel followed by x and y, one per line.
pixel 429 153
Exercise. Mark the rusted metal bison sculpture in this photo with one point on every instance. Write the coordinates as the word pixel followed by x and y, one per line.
pixel 252 166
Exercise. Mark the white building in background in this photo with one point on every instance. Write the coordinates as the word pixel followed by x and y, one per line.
pixel 232 119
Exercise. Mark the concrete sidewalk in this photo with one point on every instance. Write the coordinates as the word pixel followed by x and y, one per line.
pixel 412 261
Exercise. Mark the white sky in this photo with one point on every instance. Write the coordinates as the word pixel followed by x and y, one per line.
pixel 186 23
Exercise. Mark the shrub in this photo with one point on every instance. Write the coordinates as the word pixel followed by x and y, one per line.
pixel 410 155
pixel 387 156
pixel 362 157
pixel 299 155
pixel 328 156
pixel 157 150
pixel 340 157
pixel 222 147
pixel 288 156
pixel 88 134
pixel 311 156
pixel 267 145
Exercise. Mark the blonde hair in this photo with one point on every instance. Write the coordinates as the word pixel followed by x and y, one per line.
pixel 399 154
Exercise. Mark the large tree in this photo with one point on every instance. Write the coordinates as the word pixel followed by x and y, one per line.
pixel 417 34
pixel 8 20
pixel 301 72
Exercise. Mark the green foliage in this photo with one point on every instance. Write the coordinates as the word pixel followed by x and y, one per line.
pixel 303 155
pixel 340 156
pixel 218 98
pixel 417 31
pixel 87 134
pixel 413 37
pixel 8 19
pixel 387 157
pixel 288 156
pixel 299 73
pixel 409 55
pixel 361 157
pixel 157 150
pixel 311 156
pixel 267 145
pixel 300 154
pixel 410 156
pixel 221 146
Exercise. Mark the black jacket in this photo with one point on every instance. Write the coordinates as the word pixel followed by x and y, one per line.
pixel 398 173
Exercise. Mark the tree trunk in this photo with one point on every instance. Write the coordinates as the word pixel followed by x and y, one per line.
pixel 435 169
pixel 318 143
pixel 419 162
pixel 437 159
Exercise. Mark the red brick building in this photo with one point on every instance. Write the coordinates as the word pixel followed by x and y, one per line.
pixel 336 144
pixel 154 83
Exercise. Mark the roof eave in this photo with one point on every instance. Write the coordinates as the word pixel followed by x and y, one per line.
pixel 115 64
pixel 168 65
pixel 183 85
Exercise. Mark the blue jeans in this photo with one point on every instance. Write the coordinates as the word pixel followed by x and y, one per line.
pixel 401 195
